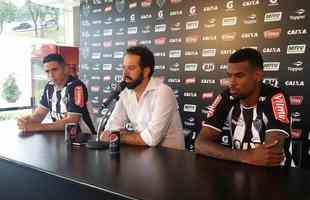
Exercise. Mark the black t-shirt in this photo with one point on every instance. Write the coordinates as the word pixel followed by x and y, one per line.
pixel 243 127
pixel 71 98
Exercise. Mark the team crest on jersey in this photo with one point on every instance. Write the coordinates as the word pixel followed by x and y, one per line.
pixel 79 96
pixel 279 108
pixel 211 109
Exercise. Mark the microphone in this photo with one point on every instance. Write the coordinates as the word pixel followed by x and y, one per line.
pixel 114 94
pixel 97 144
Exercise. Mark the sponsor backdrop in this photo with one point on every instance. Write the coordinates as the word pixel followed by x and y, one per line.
pixel 191 41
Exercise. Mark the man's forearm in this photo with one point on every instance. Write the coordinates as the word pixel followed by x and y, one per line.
pixel 212 149
pixel 58 125
pixel 132 138
pixel 37 126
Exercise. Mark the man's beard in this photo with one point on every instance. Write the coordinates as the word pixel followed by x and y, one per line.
pixel 135 83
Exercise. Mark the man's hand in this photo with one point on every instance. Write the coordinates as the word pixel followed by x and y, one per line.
pixel 23 122
pixel 105 136
pixel 264 155
pixel 26 125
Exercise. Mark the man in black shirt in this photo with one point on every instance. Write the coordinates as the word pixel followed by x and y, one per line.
pixel 64 97
pixel 254 115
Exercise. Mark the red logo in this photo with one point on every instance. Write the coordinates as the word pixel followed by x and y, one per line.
pixel 279 108
pixel 160 41
pixel 132 43
pixel 296 133
pixel 207 95
pixel 212 108
pixel 192 39
pixel 175 1
pixel 190 80
pixel 113 137
pixel 296 100
pixel 108 8
pixel 107 44
pixel 224 82
pixel 272 33
pixel 146 3
pixel 79 96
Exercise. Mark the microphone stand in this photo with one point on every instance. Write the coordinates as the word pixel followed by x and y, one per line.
pixel 97 144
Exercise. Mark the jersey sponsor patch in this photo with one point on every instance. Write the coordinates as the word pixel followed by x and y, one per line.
pixel 79 96
pixel 279 107
pixel 211 109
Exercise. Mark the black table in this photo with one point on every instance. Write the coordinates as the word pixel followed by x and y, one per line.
pixel 42 166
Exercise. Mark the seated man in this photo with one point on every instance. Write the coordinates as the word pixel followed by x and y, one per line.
pixel 254 114
pixel 64 97
pixel 147 103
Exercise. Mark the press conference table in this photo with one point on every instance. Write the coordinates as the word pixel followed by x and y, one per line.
pixel 43 166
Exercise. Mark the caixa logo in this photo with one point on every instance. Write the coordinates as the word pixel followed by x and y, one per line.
pixel 190 94
pixel 296 100
pixel 272 50
pixel 302 31
pixel 250 3
pixel 295 83
pixel 249 35
pixel 207 81
pixel 210 8
pixel 174 80
pixel 189 108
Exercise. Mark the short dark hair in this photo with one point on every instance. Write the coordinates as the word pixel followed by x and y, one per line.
pixel 54 57
pixel 146 57
pixel 254 58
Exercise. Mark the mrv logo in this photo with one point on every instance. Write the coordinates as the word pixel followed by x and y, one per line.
pixel 296 49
